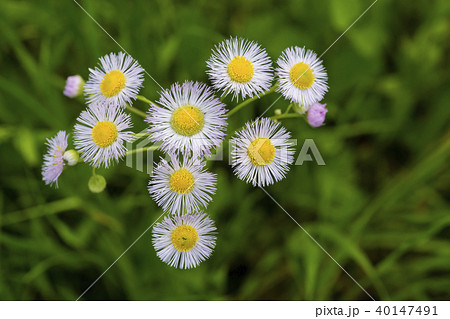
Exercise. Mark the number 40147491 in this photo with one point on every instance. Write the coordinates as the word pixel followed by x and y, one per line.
pixel 407 310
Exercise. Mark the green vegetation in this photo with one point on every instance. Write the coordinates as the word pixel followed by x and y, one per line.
pixel 380 205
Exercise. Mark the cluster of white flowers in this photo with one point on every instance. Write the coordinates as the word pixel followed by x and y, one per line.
pixel 188 122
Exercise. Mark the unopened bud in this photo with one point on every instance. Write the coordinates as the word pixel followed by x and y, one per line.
pixel 71 157
pixel 97 183
pixel 74 86
pixel 316 114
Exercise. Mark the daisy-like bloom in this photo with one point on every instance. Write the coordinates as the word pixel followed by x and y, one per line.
pixel 190 119
pixel 302 76
pixel 262 152
pixel 117 80
pixel 99 134
pixel 184 241
pixel 53 159
pixel 241 67
pixel 182 187
pixel 74 86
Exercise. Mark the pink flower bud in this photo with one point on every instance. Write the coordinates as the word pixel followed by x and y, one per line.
pixel 74 86
pixel 316 114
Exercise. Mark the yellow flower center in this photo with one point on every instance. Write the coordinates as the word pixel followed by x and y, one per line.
pixel 59 152
pixel 240 69
pixel 113 82
pixel 181 181
pixel 184 237
pixel 301 75
pixel 104 133
pixel 187 120
pixel 261 151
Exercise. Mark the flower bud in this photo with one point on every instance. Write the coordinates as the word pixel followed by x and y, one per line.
pixel 71 157
pixel 74 86
pixel 97 183
pixel 316 114
pixel 277 112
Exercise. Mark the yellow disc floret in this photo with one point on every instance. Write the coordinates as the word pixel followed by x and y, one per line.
pixel 187 120
pixel 182 181
pixel 184 237
pixel 240 69
pixel 112 83
pixel 302 76
pixel 104 133
pixel 261 151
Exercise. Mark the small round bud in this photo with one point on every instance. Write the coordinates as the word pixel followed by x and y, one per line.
pixel 316 114
pixel 277 112
pixel 71 157
pixel 97 183
pixel 74 86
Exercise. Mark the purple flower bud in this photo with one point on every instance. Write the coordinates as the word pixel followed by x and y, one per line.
pixel 316 114
pixel 74 86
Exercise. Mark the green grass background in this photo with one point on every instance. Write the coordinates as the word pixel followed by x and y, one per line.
pixel 380 206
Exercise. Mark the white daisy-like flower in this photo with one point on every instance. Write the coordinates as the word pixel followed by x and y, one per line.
pixel 188 119
pixel 54 158
pixel 184 241
pixel 99 134
pixel 240 67
pixel 262 152
pixel 117 80
pixel 302 76
pixel 182 187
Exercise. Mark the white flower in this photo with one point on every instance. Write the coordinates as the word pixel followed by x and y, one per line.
pixel 117 81
pixel 182 187
pixel 190 119
pixel 53 159
pixel 99 134
pixel 240 67
pixel 302 76
pixel 262 152
pixel 184 241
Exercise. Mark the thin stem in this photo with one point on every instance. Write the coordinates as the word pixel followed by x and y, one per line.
pixel 244 103
pixel 289 108
pixel 139 135
pixel 143 99
pixel 286 116
pixel 142 149
pixel 136 111
pixel 93 171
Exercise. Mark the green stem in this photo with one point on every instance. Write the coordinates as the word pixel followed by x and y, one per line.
pixel 285 116
pixel 136 111
pixel 93 171
pixel 244 103
pixel 143 99
pixel 142 149
pixel 139 135
pixel 289 108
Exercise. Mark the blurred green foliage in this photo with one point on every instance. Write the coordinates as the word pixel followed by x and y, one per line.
pixel 380 206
